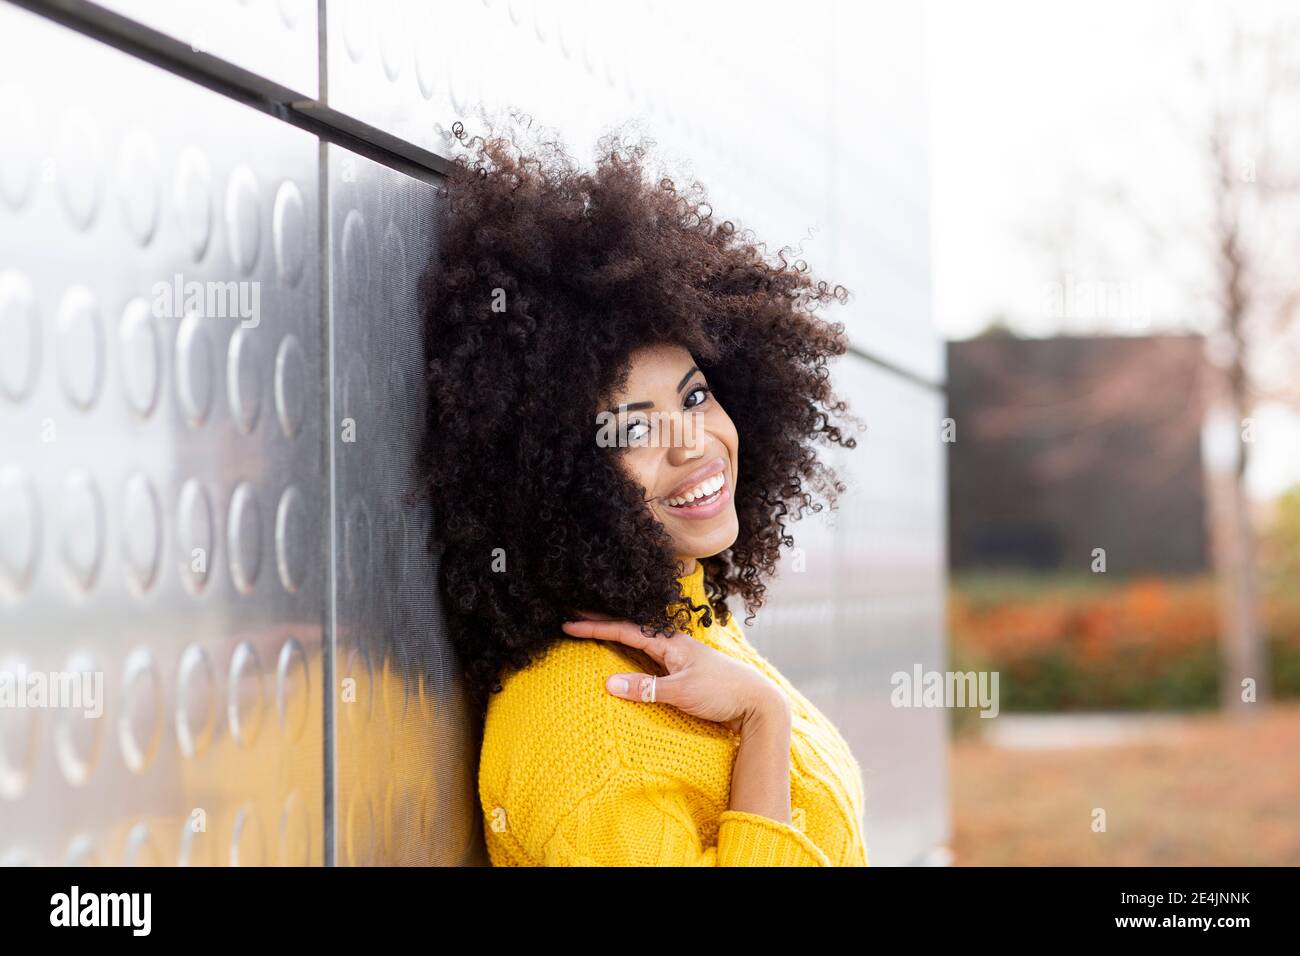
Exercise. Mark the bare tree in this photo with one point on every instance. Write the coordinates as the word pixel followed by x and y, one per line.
pixel 1249 245
pixel 1231 248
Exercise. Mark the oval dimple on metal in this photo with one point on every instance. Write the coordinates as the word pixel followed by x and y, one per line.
pixel 141 850
pixel 141 532
pixel 292 690
pixel 244 375
pixel 359 830
pixel 358 29
pixel 244 537
pixel 20 331
pixel 77 728
pixel 20 531
pixel 192 196
pixel 195 535
pixel 18 159
pixel 137 178
pixel 244 696
pixel 289 233
pixel 194 370
pixel 82 852
pixel 243 219
pixel 357 545
pixel 139 720
pixel 80 337
pixel 295 842
pixel 196 845
pixel 81 538
pixel 247 844
pixel 290 544
pixel 290 386
pixel 141 357
pixel 356 259
pixel 18 738
pixel 196 702
pixel 79 168
pixel 394 43
pixel 292 11
pixel 428 53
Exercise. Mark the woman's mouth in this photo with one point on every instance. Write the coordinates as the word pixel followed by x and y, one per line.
pixel 704 500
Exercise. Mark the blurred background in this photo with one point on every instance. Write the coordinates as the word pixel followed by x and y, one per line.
pixel 1115 222
pixel 1068 232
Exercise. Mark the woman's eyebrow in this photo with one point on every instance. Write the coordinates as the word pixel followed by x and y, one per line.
pixel 634 406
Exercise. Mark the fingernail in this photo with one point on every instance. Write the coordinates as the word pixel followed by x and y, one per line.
pixel 618 685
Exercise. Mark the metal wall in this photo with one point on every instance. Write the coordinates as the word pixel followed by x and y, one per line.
pixel 162 499
pixel 211 506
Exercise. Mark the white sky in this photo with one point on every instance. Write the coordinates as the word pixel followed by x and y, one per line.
pixel 1034 103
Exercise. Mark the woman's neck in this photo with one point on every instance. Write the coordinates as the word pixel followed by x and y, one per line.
pixel 687 564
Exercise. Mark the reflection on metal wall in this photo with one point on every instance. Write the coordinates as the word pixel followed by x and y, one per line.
pixel 210 505
pixel 405 748
pixel 890 561
pixel 161 489
pixel 863 598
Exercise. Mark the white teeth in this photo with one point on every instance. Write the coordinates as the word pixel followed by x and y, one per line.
pixel 703 490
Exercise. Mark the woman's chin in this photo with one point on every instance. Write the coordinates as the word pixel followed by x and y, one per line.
pixel 706 542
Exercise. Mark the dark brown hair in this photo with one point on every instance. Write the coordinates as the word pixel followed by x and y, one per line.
pixel 535 519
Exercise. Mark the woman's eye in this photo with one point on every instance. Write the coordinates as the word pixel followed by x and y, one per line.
pixel 636 432
pixel 701 390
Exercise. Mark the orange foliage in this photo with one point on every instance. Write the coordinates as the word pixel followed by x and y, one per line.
pixel 1148 625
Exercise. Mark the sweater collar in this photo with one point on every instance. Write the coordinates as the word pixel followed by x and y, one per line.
pixel 692 584
pixel 692 587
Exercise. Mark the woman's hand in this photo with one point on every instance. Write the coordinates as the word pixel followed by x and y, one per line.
pixel 700 681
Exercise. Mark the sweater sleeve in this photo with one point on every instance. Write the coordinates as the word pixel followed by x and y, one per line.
pixel 632 821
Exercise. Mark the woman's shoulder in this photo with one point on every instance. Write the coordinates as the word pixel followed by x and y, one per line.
pixel 561 682
pixel 554 711
pixel 549 737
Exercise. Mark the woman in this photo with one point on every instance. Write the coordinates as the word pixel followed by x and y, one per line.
pixel 626 397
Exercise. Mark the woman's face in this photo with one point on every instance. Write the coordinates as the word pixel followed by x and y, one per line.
pixel 681 447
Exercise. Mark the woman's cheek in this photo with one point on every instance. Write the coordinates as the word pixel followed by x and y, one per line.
pixel 641 466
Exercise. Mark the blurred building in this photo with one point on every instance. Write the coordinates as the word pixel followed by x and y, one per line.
pixel 1065 445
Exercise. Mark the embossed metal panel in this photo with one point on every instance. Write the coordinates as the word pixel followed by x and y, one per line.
pixel 835 163
pixel 405 748
pixel 275 39
pixel 162 498
pixel 391 64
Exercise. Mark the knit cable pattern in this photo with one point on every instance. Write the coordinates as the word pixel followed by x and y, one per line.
pixel 570 775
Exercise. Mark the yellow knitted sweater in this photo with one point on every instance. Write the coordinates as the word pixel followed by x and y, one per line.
pixel 570 775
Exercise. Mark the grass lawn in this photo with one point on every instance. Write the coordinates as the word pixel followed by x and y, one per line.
pixel 1223 793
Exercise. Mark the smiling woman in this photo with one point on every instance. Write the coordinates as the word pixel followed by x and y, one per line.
pixel 684 454
pixel 562 299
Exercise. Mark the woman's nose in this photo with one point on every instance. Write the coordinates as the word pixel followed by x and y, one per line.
pixel 690 438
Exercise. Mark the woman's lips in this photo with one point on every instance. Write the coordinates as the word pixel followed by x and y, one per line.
pixel 700 509
pixel 716 466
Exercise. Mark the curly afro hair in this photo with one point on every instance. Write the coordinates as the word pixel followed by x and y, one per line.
pixel 547 278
